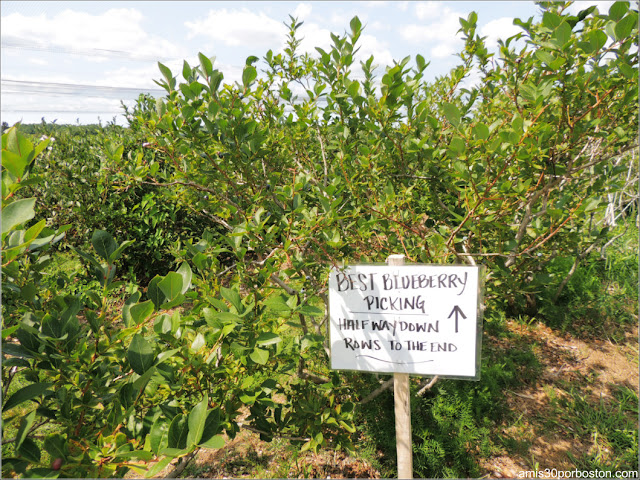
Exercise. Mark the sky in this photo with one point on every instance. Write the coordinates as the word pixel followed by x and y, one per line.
pixel 75 62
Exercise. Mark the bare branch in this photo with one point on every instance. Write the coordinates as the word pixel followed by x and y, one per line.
pixel 427 384
pixel 312 377
pixel 277 280
pixel 385 386
pixel 182 464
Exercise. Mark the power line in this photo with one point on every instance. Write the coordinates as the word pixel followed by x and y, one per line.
pixel 78 112
pixel 63 88
pixel 84 52
pixel 58 94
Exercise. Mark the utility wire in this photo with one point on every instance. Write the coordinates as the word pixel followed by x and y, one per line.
pixel 78 112
pixel 72 88
pixel 84 52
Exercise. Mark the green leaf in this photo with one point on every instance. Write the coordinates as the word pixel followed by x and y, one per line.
pixel 20 145
pixel 141 311
pixel 126 308
pixel 154 292
pixel 40 472
pixel 268 338
pixel 481 131
pixel 166 73
pixel 179 300
pixel 233 297
pixel 158 467
pixel 457 145
pixel 91 259
pixel 140 354
pixel 597 39
pixel 617 10
pixel 23 429
pixel 141 382
pixel 277 303
pixel 25 394
pixel 6 332
pixel 162 356
pixel 118 252
pixel 206 64
pixel 349 428
pixel 217 441
pixel 186 70
pixel 171 285
pixel 55 446
pixel 14 163
pixel 625 26
pixel 249 74
pixel 592 204
pixel 259 356
pixel 356 25
pixel 562 35
pixel 311 310
pixel 34 231
pixel 451 113
pixel 545 56
pixel 17 213
pixel 197 420
pixel 178 432
pixel 176 452
pixel 185 271
pixel 551 20
pixel 29 450
pixel 159 435
pixel 103 243
pixel 135 454
pixel 197 343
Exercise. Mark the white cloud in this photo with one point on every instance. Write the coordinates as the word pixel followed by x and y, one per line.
pixel 315 36
pixel 312 36
pixel 379 26
pixel 370 45
pixel 114 31
pixel 602 5
pixel 428 10
pixel 37 61
pixel 240 28
pixel 500 28
pixel 437 31
pixel 302 11
pixel 338 18
pixel 138 76
pixel 402 6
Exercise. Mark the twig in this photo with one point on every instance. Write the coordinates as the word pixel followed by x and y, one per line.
pixel 286 437
pixel 325 176
pixel 385 386
pixel 314 378
pixel 12 374
pixel 604 247
pixel 277 280
pixel 182 464
pixel 427 384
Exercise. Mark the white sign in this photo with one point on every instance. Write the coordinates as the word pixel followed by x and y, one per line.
pixel 420 319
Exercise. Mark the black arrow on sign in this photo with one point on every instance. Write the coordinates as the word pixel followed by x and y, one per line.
pixel 457 312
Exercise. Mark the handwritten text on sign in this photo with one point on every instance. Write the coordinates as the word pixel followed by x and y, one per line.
pixel 419 319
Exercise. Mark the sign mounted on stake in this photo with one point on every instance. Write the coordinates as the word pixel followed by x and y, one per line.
pixel 416 319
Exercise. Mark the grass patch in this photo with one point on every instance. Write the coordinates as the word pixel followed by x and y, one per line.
pixel 602 295
pixel 611 427
pixel 456 423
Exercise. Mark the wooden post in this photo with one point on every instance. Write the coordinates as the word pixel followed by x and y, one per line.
pixel 402 409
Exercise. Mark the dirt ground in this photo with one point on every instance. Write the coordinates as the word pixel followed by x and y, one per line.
pixel 566 362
